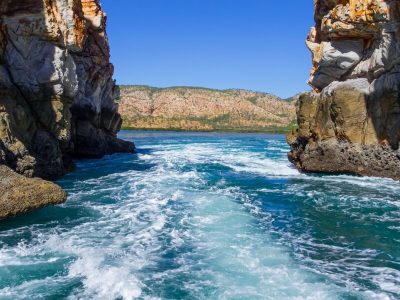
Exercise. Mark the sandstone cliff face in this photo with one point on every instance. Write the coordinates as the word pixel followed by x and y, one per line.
pixel 56 88
pixel 186 108
pixel 351 122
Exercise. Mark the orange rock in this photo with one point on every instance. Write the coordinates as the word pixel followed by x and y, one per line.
pixel 56 85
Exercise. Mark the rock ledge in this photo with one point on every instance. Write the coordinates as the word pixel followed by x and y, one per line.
pixel 19 194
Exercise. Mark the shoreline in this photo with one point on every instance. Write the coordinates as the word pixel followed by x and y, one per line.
pixel 209 131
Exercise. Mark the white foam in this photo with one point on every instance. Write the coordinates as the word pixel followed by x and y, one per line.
pixel 243 161
pixel 212 229
pixel 105 282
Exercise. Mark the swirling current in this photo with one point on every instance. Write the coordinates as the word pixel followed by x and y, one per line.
pixel 206 216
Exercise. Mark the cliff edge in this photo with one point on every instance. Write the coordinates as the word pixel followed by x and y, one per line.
pixel 350 123
pixel 56 88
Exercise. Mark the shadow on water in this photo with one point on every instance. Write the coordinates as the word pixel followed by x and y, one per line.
pixel 109 165
pixel 145 151
pixel 52 216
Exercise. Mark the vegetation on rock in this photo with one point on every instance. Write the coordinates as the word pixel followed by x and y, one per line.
pixel 203 109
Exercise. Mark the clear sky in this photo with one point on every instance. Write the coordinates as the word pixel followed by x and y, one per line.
pixel 249 44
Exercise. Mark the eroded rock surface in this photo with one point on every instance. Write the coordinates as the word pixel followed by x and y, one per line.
pixel 56 88
pixel 19 194
pixel 57 95
pixel 351 122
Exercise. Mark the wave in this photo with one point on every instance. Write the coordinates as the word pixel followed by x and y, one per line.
pixel 187 226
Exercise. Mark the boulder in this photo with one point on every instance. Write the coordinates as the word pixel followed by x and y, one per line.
pixel 19 194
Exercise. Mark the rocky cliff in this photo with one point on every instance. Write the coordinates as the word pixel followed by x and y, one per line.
pixel 351 121
pixel 201 109
pixel 56 88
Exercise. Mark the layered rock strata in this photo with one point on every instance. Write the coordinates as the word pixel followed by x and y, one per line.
pixel 350 123
pixel 56 88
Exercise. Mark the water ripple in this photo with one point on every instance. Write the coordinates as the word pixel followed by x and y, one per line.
pixel 206 216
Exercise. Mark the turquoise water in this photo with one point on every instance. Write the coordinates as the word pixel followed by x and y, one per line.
pixel 206 216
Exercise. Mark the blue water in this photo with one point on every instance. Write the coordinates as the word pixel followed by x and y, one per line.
pixel 206 216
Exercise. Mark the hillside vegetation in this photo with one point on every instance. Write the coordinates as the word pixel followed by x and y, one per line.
pixel 202 109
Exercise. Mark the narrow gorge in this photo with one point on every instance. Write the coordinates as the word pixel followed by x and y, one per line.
pixel 213 209
pixel 57 94
pixel 350 123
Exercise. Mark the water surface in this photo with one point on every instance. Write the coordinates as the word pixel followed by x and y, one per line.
pixel 206 216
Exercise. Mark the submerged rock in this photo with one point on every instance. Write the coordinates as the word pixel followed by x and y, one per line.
pixel 350 123
pixel 19 194
pixel 57 94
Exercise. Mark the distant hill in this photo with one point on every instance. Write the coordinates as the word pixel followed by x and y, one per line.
pixel 202 109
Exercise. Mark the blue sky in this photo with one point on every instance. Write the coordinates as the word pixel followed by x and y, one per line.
pixel 249 44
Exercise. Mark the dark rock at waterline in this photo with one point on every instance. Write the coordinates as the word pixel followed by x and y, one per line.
pixel 343 157
pixel 92 142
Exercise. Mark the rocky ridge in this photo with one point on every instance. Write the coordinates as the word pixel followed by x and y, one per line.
pixel 201 109
pixel 351 122
pixel 56 88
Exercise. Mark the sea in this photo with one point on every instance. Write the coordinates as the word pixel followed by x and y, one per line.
pixel 206 216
